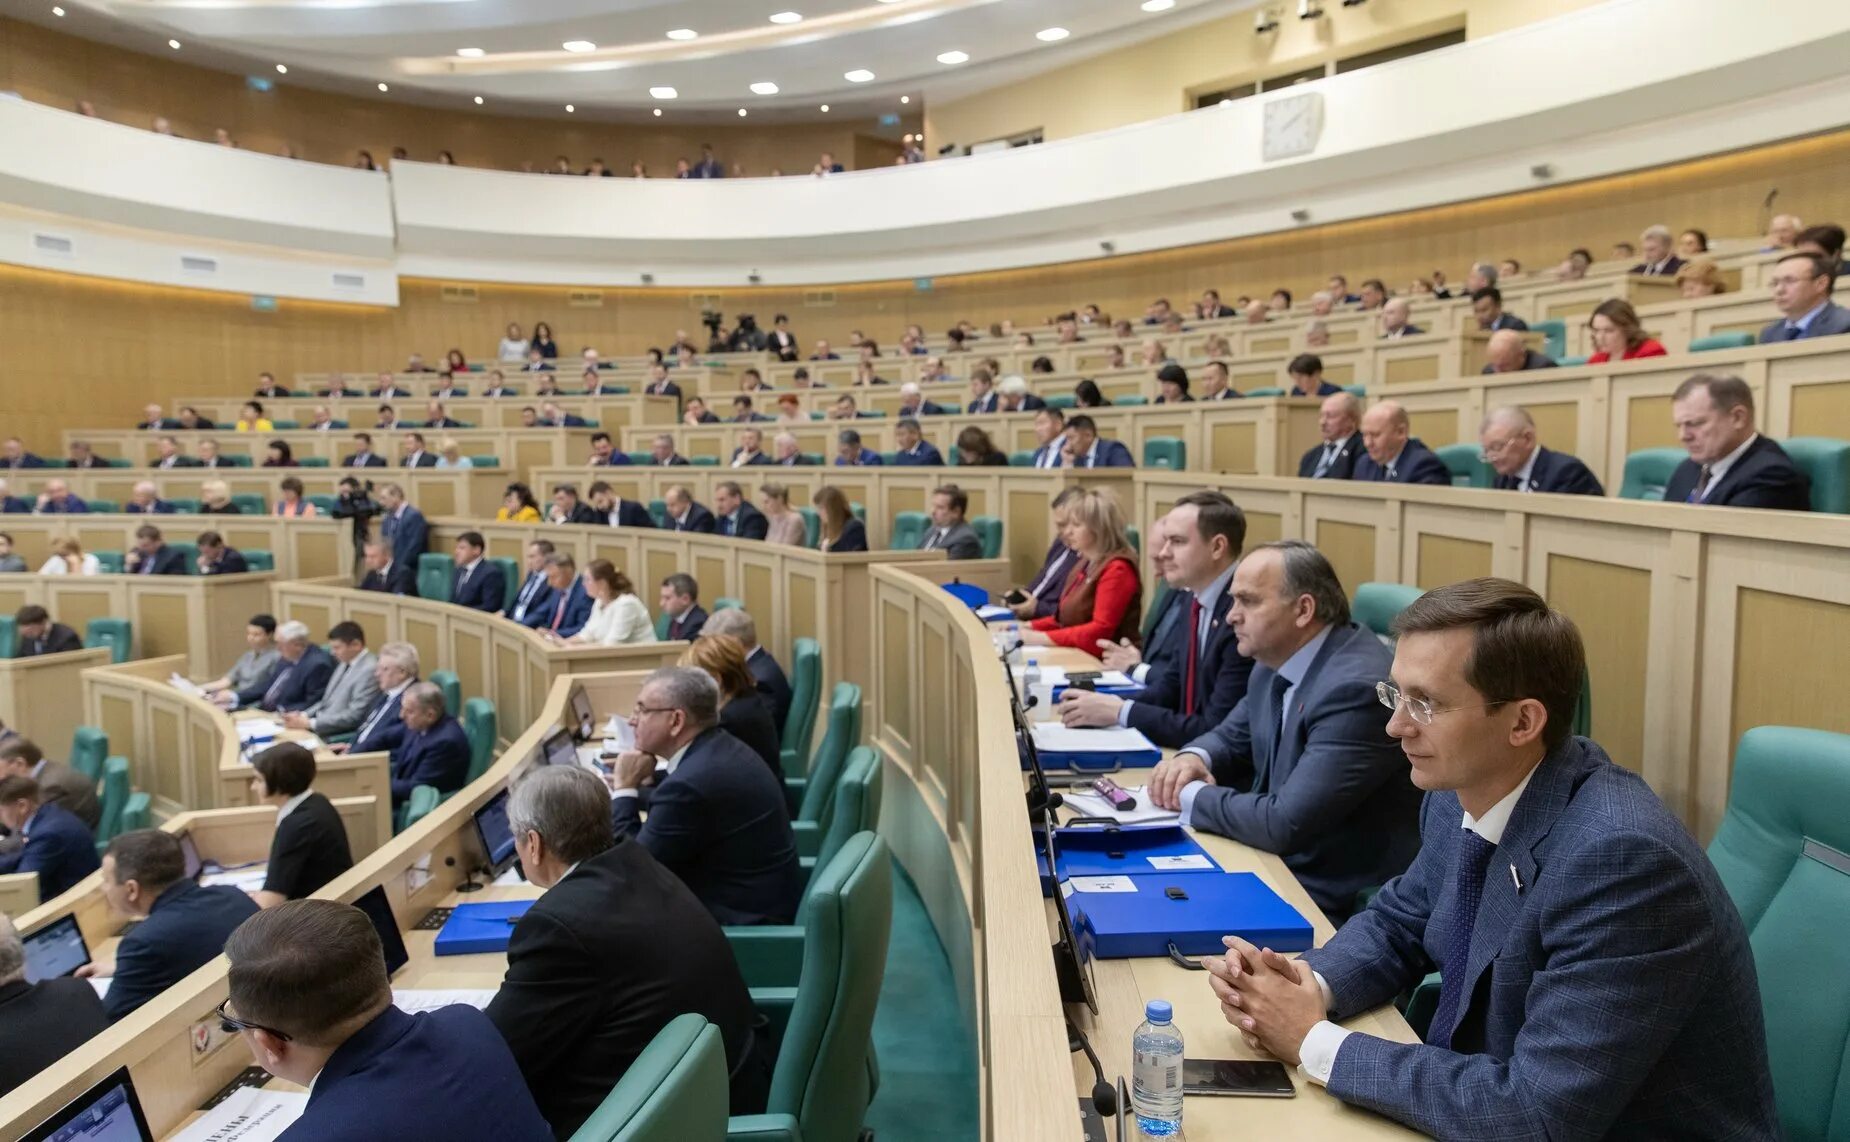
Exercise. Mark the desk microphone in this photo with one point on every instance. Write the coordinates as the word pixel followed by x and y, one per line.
pixel 1104 1095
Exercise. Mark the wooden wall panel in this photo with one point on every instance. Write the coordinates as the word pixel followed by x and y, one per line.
pixel 1611 605
pixel 1350 548
pixel 1443 559
pixel 1788 629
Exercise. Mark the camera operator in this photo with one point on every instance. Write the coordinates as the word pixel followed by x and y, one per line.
pixel 747 337
pixel 355 502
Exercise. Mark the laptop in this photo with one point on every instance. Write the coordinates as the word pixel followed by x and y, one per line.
pixel 107 1112
pixel 56 950
pixel 582 714
pixel 379 910
pixel 560 748
pixel 496 835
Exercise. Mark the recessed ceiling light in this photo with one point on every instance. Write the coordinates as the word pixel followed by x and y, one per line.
pixel 282 69
pixel 1158 5
pixel 470 53
pixel 786 17
pixel 57 11
pixel 663 92
pixel 579 46
pixel 825 108
pixel 954 57
pixel 858 75
pixel 742 113
pixel 658 112
pixel 478 101
pixel 383 87
pixel 1049 35
pixel 569 108
pixel 174 44
pixel 682 34
pixel 764 87
pixel 905 99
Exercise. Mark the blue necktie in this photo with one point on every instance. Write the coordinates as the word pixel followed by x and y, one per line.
pixel 1474 853
pixel 1794 332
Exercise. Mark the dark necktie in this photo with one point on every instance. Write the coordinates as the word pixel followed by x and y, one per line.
pixel 1793 332
pixel 1194 654
pixel 1702 486
pixel 1474 853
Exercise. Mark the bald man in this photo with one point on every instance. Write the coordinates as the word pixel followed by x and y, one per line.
pixel 1394 455
pixel 1511 447
pixel 1339 420
pixel 1394 320
pixel 1508 352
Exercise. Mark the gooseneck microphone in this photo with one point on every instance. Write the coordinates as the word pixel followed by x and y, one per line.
pixel 1104 1094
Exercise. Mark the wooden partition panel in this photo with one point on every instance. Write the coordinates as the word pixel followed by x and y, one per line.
pixel 436 491
pixel 609 410
pixel 200 617
pixel 35 695
pixel 303 548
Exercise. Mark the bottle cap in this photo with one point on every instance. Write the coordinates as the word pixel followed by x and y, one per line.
pixel 1158 1011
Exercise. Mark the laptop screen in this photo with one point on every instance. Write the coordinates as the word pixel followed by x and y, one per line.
pixel 55 950
pixel 189 852
pixel 582 715
pixel 496 835
pixel 107 1112
pixel 379 910
pixel 561 749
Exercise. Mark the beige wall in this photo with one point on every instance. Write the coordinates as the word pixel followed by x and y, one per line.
pixel 1161 76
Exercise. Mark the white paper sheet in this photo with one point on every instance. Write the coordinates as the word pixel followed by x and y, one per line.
pixel 413 999
pixel 250 729
pixel 1052 737
pixel 1095 805
pixel 251 1115
pixel 101 985
pixel 1102 884
pixel 184 685
pixel 510 878
pixel 992 611
pixel 1056 676
pixel 249 879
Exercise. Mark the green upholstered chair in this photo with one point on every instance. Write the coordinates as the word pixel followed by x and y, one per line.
pixel 1647 471
pixel 236 460
pixel 250 503
pixel 1780 851
pixel 704 461
pixel 116 634
pixel 676 1090
pixel 434 573
pixel 1268 391
pixel 510 575
pixel 658 511
pixel 259 560
pixel 823 1080
pixel 1571 362
pixel 9 637
pixel 858 509
pixel 842 734
pixel 423 799
pixel 661 627
pixel 641 457
pixel 484 461
pixel 138 813
pixel 805 688
pixel 813 459
pixel 727 603
pixel 889 458
pixel 324 504
pixel 1720 341
pixel 1132 400
pixel 1062 400
pixel 312 461
pixel 1554 336
pixel 109 562
pixel 1021 459
pixel 908 530
pixel 1466 464
pixel 189 505
pixel 104 507
pixel 117 462
pixel 989 530
pixel 89 746
pixel 446 681
pixel 285 425
pixel 812 526
pixel 1377 604
pixel 112 799
pixel 1352 390
pixel 1155 609
pixel 1165 452
pixel 1135 536
pixel 481 726
pixel 1827 462
pixel 189 555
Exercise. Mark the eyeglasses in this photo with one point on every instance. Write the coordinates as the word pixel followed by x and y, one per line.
pixel 1420 710
pixel 641 709
pixel 231 1024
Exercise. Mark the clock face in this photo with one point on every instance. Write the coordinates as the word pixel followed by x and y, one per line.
pixel 1292 125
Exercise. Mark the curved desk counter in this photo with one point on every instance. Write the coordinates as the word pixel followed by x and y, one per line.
pixel 610 410
pixel 516 448
pixel 35 694
pixel 201 617
pixel 436 491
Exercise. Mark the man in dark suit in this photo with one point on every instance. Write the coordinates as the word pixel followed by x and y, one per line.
pixel 436 416
pixel 39 635
pixel 913 450
pixel 168 454
pixel 733 516
pixel 983 398
pixel 1197 688
pixel 1508 439
pixel 553 416
pixel 1589 955
pixel 1327 790
pixel 1085 449
pixel 1306 373
pixel 1395 457
pixel 750 452
pixel 385 571
pixel 1339 420
pixel 1394 320
pixel 1730 464
pixel 182 925
pixel 217 558
pixel 59 784
pixel 363 455
pixel 744 413
pixel 574 1026
pixel 772 682
pixel 309 992
pixel 659 385
pixel 533 602
pixel 434 751
pixel 851 453
pixel 41 1022
pixel 1487 307
pixel 912 403
pixel 680 601
pixel 13 454
pixel 1507 351
pixel 717 819
pixel 154 418
pixel 152 556
pixel 1659 254
pixel 145 499
pixel 612 510
pixel 1050 435
pixel 662 451
pixel 414 454
pixel 950 532
pixel 296 682
pixel 783 342
pixel 476 583
pixel 56 498
pixel 82 457
pixel 604 453
pixel 568 508
pixel 684 514
pixel 403 526
pixel 54 844
pixel 1802 291
pixel 570 607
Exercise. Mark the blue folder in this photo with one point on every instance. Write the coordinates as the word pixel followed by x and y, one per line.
pixel 1124 925
pixel 1132 849
pixel 483 927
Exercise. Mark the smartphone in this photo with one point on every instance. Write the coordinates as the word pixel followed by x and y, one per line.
pixel 1075 677
pixel 1258 1078
pixel 1016 597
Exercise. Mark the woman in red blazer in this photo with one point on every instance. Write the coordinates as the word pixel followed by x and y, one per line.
pixel 1103 594
pixel 1617 334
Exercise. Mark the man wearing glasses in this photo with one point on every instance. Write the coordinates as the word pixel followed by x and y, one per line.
pixel 1303 766
pixel 1511 448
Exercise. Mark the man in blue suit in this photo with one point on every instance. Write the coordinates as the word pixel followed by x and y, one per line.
pixel 1730 464
pixel 55 498
pixel 1802 291
pixel 1592 964
pixel 850 453
pixel 182 927
pixel 435 751
pixel 1085 449
pixel 476 583
pixel 659 385
pixel 145 499
pixel 1304 766
pixel 534 600
pixel 680 601
pixel 1050 432
pixel 310 995
pixel 58 845
pixel 1306 373
pixel 735 517
pixel 383 727
pixel 1394 456
pixel 1339 420
pixel 385 571
pixel 403 526
pixel 216 557
pixel 1487 307
pixel 717 818
pixel 570 607
pixel 686 515
pixel 914 450
pixel 912 402
pixel 1508 439
pixel 612 510
pixel 13 454
pixel 296 682
pixel 152 556
pixel 983 397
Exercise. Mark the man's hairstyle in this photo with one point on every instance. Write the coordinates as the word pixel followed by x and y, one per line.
pixel 403 654
pixel 597 436
pixel 18 788
pixel 310 969
pixel 1216 515
pixel 687 688
pixel 567 806
pixel 1083 423
pixel 149 857
pixel 562 559
pixel 1827 236
pixel 597 488
pixel 1056 414
pixel 210 539
pixel 731 487
pixel 26 750
pixel 1305 365
pixel 292 631
pixel 544 545
pixel 1508 414
pixel 735 622
pixel 565 489
pixel 1520 647
pixel 286 768
pixel 346 631
pixel 1486 271
pixel 427 695
pixel 1307 572
pixel 908 422
pixel 1491 292
pixel 1725 392
pixel 473 539
pixel 1659 231
pixel 365 438
pixel 30 614
pixel 682 583
pixel 1820 266
pixel 849 436
pixel 960 499
pixel 148 531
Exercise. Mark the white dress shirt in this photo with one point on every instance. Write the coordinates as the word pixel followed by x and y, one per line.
pixel 673 763
pixel 289 806
pixel 1720 468
pixel 1527 472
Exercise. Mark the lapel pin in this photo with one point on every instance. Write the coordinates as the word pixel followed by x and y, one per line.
pixel 1515 879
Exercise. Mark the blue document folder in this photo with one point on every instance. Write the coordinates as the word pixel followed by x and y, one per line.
pixel 1149 918
pixel 483 927
pixel 1103 851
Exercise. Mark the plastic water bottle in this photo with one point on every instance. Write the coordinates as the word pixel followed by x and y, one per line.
pixel 1156 1072
pixel 1030 679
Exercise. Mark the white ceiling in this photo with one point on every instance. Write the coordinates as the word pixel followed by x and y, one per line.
pixel 411 45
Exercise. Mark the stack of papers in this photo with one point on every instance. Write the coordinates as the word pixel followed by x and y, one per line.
pixel 250 878
pixel 1054 676
pixel 1052 737
pixel 414 999
pixel 1095 805
pixel 185 686
pixel 258 729
pixel 250 1115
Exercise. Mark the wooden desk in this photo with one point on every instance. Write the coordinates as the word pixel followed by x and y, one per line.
pixel 35 695
pixel 199 617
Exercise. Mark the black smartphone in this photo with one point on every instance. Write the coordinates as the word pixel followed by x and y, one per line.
pixel 1257 1078
pixel 1015 597
pixel 1075 677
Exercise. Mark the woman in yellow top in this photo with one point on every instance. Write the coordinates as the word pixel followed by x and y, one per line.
pixel 518 506
pixel 251 418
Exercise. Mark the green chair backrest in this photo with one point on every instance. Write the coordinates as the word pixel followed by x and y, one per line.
pixel 188 505
pixel 856 808
pixel 434 576
pixel 1554 336
pixel 658 511
pixel 800 726
pixel 1781 852
pixel 1647 471
pixel 259 560
pixel 324 504
pixel 676 1090
pixel 1155 609
pixel 726 603
pixel 484 461
pixel 1572 362
pixel 1352 390
pixel 313 461
pixel 842 735
pixel 989 530
pixel 138 813
pixel 1062 400
pixel 189 556
pixel 446 681
pixel 908 530
pixel 812 526
pixel 641 457
pixel 1165 452
pixel 889 458
pixel 661 627
pixel 1466 464
pixel 822 1079
pixel 117 462
pixel 1827 462
pixel 1720 341
pixel 704 461
pixel 113 798
pixel 285 425
pixel 1377 604
pixel 1268 391
pixel 1130 400
pixel 9 637
pixel 510 577
pixel 1021 459
pixel 250 503
pixel 481 726
pixel 89 746
pixel 237 460
pixel 116 634
pixel 1136 538
pixel 813 459
pixel 423 799
pixel 106 507
pixel 858 510
pixel 109 562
